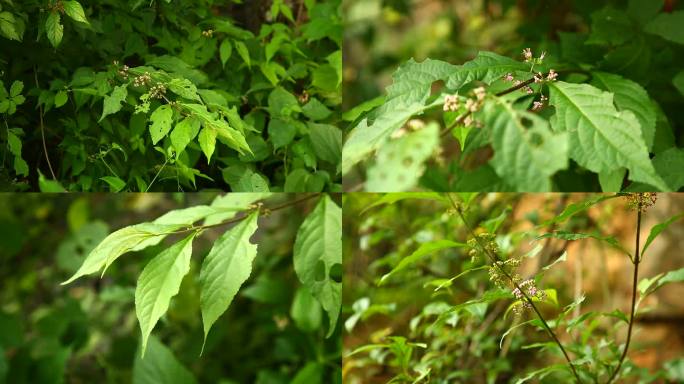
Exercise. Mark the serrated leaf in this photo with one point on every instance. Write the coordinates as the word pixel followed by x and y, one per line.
pixel 162 119
pixel 8 26
pixel 525 155
pixel 406 97
pixel 400 162
pixel 601 138
pixel 135 237
pixel 225 51
pixel 669 165
pixel 74 10
pixel 425 249
pixel 112 103
pixel 159 281
pixel 183 133
pixel 630 96
pixel 54 29
pixel 227 266
pixel 207 141
pixel 668 26
pixel 160 366
pixel 486 67
pixel 317 251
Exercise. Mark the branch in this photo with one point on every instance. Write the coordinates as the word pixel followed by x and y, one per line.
pixel 246 214
pixel 516 285
pixel 636 261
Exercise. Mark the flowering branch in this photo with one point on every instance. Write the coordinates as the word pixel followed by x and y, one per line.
pixel 639 202
pixel 519 291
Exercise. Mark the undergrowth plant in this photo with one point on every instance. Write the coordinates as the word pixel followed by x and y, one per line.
pixel 316 259
pixel 170 95
pixel 494 321
pixel 579 111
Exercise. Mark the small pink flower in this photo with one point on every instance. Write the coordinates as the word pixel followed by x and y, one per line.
pixel 552 75
pixel 527 53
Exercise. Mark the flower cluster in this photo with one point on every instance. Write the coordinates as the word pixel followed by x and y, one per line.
pixel 529 288
pixel 538 105
pixel 486 240
pixel 158 91
pixel 641 201
pixel 501 272
pixel 451 103
pixel 144 79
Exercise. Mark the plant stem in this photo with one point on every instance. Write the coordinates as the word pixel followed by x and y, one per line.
pixel 635 261
pixel 246 214
pixel 516 285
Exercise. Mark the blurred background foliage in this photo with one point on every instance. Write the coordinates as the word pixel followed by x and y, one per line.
pixel 88 332
pixel 397 328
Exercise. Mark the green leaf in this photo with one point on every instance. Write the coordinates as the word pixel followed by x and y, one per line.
pixel 225 51
pixel 486 67
pixel 8 26
pixel 162 119
pixel 657 229
pixel 318 257
pixel 326 140
pixel 47 185
pixel 315 110
pixel 570 236
pixel 54 29
pixel 242 50
pixel 668 26
pixel 601 138
pixel 160 366
pixel 306 311
pixel 207 141
pixel 135 237
pixel 226 267
pixel 112 103
pixel 61 98
pixel 281 132
pixel 630 96
pixel 401 162
pixel 417 255
pixel 525 155
pixel 184 88
pixel 406 97
pixel 74 10
pixel 644 10
pixel 678 82
pixel 16 88
pixel 183 133
pixel 158 283
pixel 232 203
pixel 114 182
pixel 669 165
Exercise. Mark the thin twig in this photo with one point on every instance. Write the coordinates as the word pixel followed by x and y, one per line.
pixel 516 285
pixel 42 129
pixel 636 261
pixel 246 214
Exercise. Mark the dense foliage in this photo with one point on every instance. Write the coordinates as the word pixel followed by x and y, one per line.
pixel 170 95
pixel 467 288
pixel 575 106
pixel 248 293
